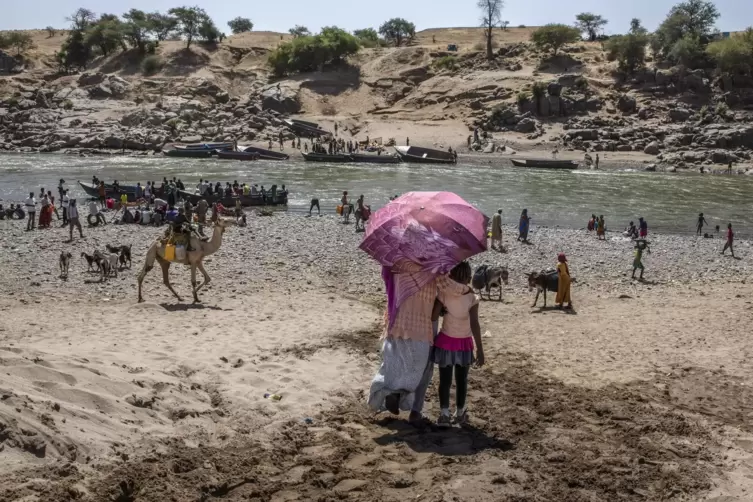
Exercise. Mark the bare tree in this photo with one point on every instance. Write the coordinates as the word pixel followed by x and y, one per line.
pixel 490 19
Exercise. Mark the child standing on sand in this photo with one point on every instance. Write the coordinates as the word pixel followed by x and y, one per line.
pixel 453 347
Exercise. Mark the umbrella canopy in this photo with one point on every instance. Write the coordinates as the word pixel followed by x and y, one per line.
pixel 433 231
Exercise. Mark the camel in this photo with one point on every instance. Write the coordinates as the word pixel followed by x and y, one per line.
pixel 193 259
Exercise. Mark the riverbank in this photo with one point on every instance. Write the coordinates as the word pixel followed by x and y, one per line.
pixel 104 397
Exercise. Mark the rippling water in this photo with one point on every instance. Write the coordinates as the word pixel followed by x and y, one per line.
pixel 670 202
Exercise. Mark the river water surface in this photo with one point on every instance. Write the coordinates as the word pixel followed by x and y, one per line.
pixel 670 202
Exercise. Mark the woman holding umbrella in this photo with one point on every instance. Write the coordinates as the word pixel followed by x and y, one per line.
pixel 417 238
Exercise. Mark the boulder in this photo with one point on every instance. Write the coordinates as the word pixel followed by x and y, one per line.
pixel 26 104
pixel 117 85
pixel 222 97
pixel 283 99
pixel 626 104
pixel 101 91
pixel 695 81
pixel 554 89
pixel 679 114
pixel 555 105
pixel 663 77
pixel 42 100
pixel 652 148
pixel 584 134
pixel 525 126
pixel 650 168
pixel 88 79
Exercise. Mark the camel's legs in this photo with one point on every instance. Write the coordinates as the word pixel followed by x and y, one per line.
pixel 165 268
pixel 200 266
pixel 151 255
pixel 193 283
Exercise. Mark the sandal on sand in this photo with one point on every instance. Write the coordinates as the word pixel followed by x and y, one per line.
pixel 461 418
pixel 392 403
pixel 444 421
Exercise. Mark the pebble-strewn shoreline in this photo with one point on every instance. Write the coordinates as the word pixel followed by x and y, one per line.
pixel 298 253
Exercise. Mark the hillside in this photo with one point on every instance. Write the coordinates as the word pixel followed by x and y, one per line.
pixel 226 92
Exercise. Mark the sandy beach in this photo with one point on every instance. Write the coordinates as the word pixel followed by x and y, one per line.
pixel 641 394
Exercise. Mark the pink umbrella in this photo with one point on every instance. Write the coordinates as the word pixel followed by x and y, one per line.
pixel 425 233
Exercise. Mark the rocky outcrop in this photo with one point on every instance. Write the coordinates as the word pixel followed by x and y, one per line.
pixel 679 114
pixel 627 104
pixel 282 99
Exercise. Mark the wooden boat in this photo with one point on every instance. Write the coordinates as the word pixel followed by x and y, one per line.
pixel 206 146
pixel 237 155
pixel 421 155
pixel 325 157
pixel 364 158
pixel 229 201
pixel 190 153
pixel 545 163
pixel 306 129
pixel 267 154
pixel 92 190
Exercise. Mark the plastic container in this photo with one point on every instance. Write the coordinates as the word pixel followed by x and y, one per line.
pixel 170 252
pixel 146 217
pixel 339 210
pixel 273 397
pixel 180 253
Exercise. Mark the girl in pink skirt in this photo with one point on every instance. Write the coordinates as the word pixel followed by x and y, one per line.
pixel 453 346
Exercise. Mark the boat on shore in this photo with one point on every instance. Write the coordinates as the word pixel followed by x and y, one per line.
pixel 545 163
pixel 365 158
pixel 281 199
pixel 419 155
pixel 325 157
pixel 92 190
pixel 237 155
pixel 306 129
pixel 206 146
pixel 356 158
pixel 189 153
pixel 265 154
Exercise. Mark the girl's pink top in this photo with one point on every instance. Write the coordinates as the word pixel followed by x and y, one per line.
pixel 457 321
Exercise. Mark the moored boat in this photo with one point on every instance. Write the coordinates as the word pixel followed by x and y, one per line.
pixel 306 129
pixel 237 155
pixel 92 190
pixel 365 158
pixel 325 157
pixel 190 153
pixel 267 154
pixel 206 146
pixel 281 198
pixel 545 163
pixel 421 155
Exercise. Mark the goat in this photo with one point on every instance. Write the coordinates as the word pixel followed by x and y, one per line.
pixel 91 260
pixel 124 253
pixel 65 262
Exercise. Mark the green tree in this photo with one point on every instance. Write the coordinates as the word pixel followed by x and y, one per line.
pixel 20 41
pixel 491 17
pixel 51 32
pixel 629 50
pixel 190 21
pixel 162 25
pixel 137 28
pixel 299 31
pixel 590 24
pixel 4 44
pixel 106 34
pixel 367 36
pixel 310 53
pixel 690 20
pixel 240 25
pixel 81 19
pixel 398 30
pixel 75 52
pixel 209 32
pixel 554 36
pixel 688 51
pixel 732 55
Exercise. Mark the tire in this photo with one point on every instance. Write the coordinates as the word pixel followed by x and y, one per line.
pixel 92 220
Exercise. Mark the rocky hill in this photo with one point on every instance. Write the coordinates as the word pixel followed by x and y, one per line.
pixel 225 92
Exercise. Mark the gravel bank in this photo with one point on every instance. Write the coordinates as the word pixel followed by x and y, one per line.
pixel 287 252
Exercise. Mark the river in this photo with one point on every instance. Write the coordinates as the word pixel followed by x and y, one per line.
pixel 669 202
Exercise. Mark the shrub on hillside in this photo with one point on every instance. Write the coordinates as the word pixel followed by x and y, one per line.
pixel 67 104
pixel 151 64
pixel 522 98
pixel 554 36
pixel 311 53
pixel 446 63
pixel 734 54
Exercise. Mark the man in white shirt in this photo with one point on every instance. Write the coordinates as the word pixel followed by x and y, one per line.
pixel 201 187
pixel 65 203
pixel 31 208
pixel 73 218
pixel 94 210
